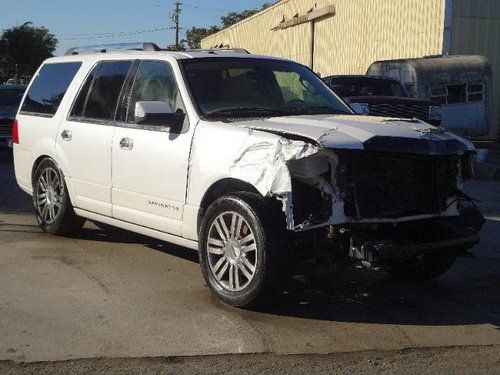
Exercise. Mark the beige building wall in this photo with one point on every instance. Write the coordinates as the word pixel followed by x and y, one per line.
pixel 364 31
pixel 360 32
pixel 476 31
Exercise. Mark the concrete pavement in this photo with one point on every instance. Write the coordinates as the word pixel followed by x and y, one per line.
pixel 111 293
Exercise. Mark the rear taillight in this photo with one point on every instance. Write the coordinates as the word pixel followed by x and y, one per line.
pixel 15 132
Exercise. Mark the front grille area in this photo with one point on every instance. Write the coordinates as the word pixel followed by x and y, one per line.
pixel 378 186
pixel 402 110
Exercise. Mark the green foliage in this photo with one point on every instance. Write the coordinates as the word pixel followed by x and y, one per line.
pixel 235 17
pixel 25 46
pixel 172 47
pixel 194 35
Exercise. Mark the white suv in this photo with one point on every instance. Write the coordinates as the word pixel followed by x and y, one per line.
pixel 250 159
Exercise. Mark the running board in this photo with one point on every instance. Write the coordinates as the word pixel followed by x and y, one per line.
pixel 138 229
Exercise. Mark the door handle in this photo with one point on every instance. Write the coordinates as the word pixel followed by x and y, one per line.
pixel 66 135
pixel 126 144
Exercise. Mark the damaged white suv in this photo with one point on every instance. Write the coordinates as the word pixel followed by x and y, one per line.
pixel 249 159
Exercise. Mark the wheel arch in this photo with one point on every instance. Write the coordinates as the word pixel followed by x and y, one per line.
pixel 36 163
pixel 220 188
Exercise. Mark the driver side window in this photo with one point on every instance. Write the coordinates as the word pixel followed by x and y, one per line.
pixel 155 81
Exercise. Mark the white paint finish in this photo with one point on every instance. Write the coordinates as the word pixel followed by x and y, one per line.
pixel 86 160
pixel 345 131
pixel 216 149
pixel 148 211
pixel 99 207
pixel 153 173
pixel 22 168
pixel 190 222
pixel 147 220
pixel 156 205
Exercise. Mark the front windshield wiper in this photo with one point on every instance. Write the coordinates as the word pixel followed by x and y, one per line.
pixel 247 110
pixel 319 109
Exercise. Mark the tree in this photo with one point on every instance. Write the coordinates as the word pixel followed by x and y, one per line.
pixel 234 17
pixel 23 48
pixel 194 35
pixel 172 47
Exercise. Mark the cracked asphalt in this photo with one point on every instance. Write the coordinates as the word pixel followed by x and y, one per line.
pixel 107 298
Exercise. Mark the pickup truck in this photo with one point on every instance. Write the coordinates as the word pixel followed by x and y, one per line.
pixel 382 96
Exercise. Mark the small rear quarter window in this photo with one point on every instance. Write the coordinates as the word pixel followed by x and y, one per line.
pixel 49 87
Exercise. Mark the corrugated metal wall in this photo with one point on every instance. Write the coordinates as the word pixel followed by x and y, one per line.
pixel 476 30
pixel 364 31
pixel 361 32
pixel 255 34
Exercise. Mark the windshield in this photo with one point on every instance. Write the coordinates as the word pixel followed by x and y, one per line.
pixel 364 86
pixel 243 87
pixel 10 97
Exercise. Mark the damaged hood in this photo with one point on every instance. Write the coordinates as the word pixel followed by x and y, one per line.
pixel 368 133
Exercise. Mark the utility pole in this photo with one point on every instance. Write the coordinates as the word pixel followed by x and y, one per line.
pixel 175 19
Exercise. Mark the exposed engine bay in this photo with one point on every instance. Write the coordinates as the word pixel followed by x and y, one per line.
pixel 383 206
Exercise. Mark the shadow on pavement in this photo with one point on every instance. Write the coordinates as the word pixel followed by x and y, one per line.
pixel 107 233
pixel 468 294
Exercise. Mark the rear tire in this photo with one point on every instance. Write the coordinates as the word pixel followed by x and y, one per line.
pixel 425 267
pixel 240 241
pixel 53 208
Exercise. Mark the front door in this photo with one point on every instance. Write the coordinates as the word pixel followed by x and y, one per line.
pixel 150 162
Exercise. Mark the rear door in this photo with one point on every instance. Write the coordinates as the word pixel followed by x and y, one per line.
pixel 150 162
pixel 85 138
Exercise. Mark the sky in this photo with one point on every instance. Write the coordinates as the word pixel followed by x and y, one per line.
pixel 89 22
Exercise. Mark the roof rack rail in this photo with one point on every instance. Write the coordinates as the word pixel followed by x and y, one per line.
pixel 103 48
pixel 214 50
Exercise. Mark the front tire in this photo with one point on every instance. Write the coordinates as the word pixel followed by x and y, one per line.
pixel 53 208
pixel 239 243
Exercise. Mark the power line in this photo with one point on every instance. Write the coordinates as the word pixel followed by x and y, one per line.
pixel 207 8
pixel 83 7
pixel 118 34
pixel 106 32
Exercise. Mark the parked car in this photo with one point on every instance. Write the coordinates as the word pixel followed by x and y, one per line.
pixel 382 96
pixel 240 157
pixel 10 99
pixel 462 85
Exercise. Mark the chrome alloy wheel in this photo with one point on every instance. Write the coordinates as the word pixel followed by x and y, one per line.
pixel 49 195
pixel 232 251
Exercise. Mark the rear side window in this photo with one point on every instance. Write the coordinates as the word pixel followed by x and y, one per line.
pixel 48 89
pixel 105 85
